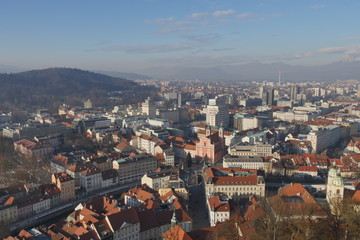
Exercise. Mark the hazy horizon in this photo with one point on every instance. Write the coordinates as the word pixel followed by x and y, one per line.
pixel 133 36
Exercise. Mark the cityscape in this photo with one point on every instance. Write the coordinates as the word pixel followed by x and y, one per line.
pixel 200 120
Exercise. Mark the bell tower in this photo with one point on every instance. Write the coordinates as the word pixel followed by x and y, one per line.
pixel 335 186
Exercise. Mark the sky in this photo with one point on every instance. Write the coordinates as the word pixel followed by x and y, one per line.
pixel 131 35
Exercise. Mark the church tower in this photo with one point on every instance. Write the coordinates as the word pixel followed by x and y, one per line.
pixel 335 186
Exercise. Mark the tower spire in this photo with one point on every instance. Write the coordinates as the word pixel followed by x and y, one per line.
pixel 279 77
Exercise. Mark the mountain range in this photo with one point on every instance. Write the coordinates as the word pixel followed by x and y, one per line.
pixel 257 71
pixel 254 71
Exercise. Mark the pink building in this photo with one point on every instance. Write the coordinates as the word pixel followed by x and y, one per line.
pixel 211 146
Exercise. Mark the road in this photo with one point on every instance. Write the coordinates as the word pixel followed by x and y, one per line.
pixel 43 216
pixel 197 206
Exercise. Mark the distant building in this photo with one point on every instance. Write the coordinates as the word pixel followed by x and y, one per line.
pixel 149 108
pixel 294 91
pixel 245 121
pixel 33 149
pixel 88 104
pixel 217 113
pixel 262 150
pixel 246 162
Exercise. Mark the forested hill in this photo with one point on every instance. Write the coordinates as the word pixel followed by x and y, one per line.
pixel 41 87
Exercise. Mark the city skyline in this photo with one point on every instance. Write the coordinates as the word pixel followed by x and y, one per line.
pixel 139 35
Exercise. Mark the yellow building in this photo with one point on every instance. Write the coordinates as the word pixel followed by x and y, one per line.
pixel 66 184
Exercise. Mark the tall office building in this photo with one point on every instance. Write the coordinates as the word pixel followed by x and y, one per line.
pixel 149 108
pixel 217 113
pixel 270 97
pixel 261 92
pixel 294 91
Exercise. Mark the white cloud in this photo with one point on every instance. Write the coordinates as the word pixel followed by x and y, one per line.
pixel 223 13
pixel 245 15
pixel 199 15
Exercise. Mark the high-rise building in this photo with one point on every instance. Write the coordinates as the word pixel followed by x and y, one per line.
pixel 270 97
pixel 149 108
pixel 294 91
pixel 179 99
pixel 261 92
pixel 217 113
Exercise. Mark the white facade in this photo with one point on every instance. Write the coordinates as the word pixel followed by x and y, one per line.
pixel 217 113
pixel 41 205
pixel 91 182
pixel 334 186
pixel 149 108
pixel 323 138
pixel 245 162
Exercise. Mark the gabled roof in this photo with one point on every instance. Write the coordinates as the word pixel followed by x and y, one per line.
pixel 216 205
pixel 176 233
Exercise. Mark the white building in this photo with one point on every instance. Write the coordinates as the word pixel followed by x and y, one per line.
pixel 243 122
pixel 262 150
pixel 323 138
pixel 246 162
pixel 162 180
pixel 149 108
pixel 91 179
pixel 133 168
pixel 219 210
pixel 334 186
pixel 233 182
pixel 217 113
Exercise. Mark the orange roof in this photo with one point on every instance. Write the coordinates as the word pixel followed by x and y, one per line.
pixel 308 168
pixel 217 205
pixel 356 197
pixel 176 233
pixel 9 201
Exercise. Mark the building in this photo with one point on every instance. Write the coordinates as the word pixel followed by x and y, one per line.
pixel 66 184
pixel 334 186
pixel 325 137
pixel 294 202
pixel 8 211
pixel 261 150
pixel 211 147
pixel 269 97
pixel 31 149
pixel 219 210
pixel 165 179
pixel 233 182
pixel 91 179
pixel 217 113
pixel 294 91
pixel 243 122
pixel 88 104
pixel 132 168
pixel 149 108
pixel 110 178
pixel 246 162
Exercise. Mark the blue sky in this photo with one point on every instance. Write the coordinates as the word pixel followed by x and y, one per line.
pixel 130 35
